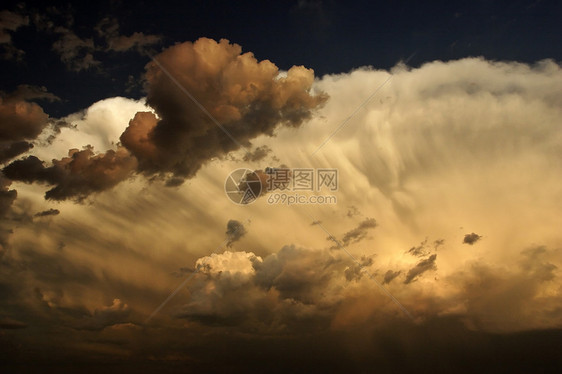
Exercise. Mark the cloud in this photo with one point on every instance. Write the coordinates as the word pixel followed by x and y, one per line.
pixel 45 213
pixel 235 230
pixel 108 28
pixel 390 275
pixel 20 119
pixel 178 139
pixel 242 94
pixel 352 211
pixel 76 176
pixel 354 271
pixel 246 290
pixel 359 233
pixel 81 53
pixel 468 143
pixel 9 23
pixel 420 268
pixel 420 250
pixel 106 316
pixel 28 92
pixel 471 238
pixel 75 52
pixel 257 154
pixel 137 40
pixel 10 150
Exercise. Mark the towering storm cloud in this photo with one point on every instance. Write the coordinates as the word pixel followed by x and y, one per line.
pixel 245 96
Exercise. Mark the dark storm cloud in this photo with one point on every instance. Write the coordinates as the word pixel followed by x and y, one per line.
pixel 235 230
pixel 76 176
pixel 390 275
pixel 471 238
pixel 359 233
pixel 46 213
pixel 244 95
pixel 257 154
pixel 420 268
pixel 10 150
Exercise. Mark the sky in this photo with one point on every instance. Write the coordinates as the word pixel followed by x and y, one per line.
pixel 299 186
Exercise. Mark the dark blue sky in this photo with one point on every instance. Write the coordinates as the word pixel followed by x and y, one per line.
pixel 328 36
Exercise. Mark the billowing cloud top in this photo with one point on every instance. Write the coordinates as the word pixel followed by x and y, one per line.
pixel 244 95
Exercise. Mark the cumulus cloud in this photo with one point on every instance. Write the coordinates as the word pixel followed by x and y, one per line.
pixel 245 289
pixel 20 119
pixel 471 238
pixel 240 92
pixel 420 268
pixel 76 176
pixel 235 230
pixel 283 289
